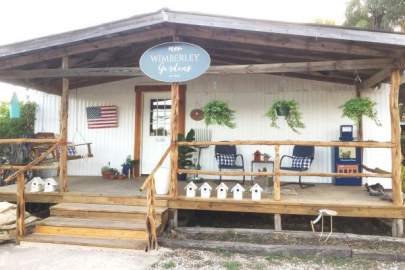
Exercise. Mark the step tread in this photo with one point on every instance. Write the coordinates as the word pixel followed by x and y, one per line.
pixel 137 225
pixel 88 207
pixel 86 241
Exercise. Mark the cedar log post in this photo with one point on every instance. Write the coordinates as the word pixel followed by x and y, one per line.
pixel 277 192
pixel 63 130
pixel 174 154
pixel 395 139
pixel 20 217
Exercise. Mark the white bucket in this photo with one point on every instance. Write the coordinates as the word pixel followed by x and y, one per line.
pixel 162 181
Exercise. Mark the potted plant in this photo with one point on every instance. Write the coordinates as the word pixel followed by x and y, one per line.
pixel 218 112
pixel 107 171
pixel 127 166
pixel 358 107
pixel 185 153
pixel 289 109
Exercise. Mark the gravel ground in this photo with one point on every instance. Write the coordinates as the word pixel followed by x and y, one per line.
pixel 60 257
pixel 196 259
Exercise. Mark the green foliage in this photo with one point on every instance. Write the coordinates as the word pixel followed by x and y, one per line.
pixel 15 128
pixel 232 265
pixel 324 21
pixel 186 152
pixel 169 265
pixel 293 116
pixel 375 14
pixel 357 107
pixel 218 112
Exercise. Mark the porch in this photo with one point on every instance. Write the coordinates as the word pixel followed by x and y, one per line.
pixel 351 201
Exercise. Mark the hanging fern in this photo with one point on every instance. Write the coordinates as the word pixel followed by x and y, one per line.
pixel 356 108
pixel 288 108
pixel 218 112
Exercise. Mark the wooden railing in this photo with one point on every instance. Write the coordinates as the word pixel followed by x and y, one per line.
pixel 149 185
pixel 19 174
pixel 277 171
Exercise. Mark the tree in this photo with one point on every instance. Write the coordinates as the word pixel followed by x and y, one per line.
pixel 376 14
pixel 22 126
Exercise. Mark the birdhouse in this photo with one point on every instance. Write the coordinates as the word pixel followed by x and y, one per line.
pixel 256 191
pixel 205 190
pixel 238 192
pixel 222 190
pixel 191 189
pixel 37 184
pixel 50 185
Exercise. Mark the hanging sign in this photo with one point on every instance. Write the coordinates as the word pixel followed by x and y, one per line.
pixel 174 62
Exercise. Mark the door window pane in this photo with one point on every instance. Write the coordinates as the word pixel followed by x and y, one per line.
pixel 160 117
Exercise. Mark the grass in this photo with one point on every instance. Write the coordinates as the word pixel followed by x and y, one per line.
pixel 232 265
pixel 169 265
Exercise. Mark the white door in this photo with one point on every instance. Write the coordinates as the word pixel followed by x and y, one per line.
pixel 155 129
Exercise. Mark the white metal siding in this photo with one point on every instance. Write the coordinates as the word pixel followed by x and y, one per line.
pixel 249 95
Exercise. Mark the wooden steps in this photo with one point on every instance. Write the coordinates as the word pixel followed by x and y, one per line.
pixel 101 225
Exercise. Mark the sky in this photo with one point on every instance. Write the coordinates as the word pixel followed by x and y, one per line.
pixel 27 19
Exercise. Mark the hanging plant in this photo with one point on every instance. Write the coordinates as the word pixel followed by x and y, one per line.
pixel 218 112
pixel 289 109
pixel 356 108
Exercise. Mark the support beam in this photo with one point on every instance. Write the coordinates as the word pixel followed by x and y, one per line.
pixel 277 185
pixel 395 139
pixel 397 227
pixel 64 130
pixel 294 67
pixel 277 222
pixel 174 131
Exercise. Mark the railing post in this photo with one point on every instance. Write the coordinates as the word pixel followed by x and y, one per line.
pixel 395 139
pixel 277 192
pixel 20 216
pixel 174 131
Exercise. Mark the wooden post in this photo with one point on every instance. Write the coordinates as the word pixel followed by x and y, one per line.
pixel 64 130
pixel 360 123
pixel 175 96
pixel 20 216
pixel 395 139
pixel 397 227
pixel 277 222
pixel 277 192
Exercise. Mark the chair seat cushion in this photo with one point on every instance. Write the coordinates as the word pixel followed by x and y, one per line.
pixel 226 160
pixel 301 163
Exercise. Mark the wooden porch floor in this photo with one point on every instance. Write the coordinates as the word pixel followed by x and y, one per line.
pixel 348 200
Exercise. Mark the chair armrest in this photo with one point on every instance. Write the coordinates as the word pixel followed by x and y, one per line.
pixel 284 156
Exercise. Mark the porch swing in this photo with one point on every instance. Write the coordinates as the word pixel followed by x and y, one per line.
pixel 72 148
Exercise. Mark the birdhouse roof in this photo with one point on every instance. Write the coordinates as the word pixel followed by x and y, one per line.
pixel 51 181
pixel 192 185
pixel 205 185
pixel 38 180
pixel 256 187
pixel 222 185
pixel 236 187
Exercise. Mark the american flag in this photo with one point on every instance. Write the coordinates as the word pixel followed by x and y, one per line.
pixel 102 117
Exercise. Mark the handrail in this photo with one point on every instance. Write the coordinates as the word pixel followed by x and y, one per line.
pixel 364 144
pixel 28 140
pixel 149 185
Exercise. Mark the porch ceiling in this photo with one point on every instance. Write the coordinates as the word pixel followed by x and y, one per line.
pixel 228 40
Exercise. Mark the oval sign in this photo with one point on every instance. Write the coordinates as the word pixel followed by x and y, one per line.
pixel 174 62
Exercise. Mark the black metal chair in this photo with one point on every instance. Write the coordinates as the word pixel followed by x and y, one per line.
pixel 226 157
pixel 301 160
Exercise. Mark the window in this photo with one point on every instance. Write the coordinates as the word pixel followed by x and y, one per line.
pixel 159 124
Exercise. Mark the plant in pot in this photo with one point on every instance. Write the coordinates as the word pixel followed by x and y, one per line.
pixel 358 107
pixel 127 166
pixel 218 112
pixel 185 153
pixel 290 110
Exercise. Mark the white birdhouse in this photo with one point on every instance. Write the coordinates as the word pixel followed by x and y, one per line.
pixel 37 184
pixel 256 191
pixel 238 192
pixel 205 190
pixel 222 191
pixel 50 185
pixel 191 189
